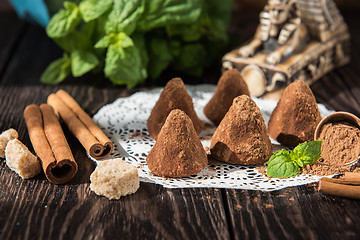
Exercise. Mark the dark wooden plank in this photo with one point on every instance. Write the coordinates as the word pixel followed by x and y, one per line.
pixel 293 213
pixel 36 209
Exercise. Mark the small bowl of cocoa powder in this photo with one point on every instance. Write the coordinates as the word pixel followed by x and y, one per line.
pixel 338 117
pixel 340 148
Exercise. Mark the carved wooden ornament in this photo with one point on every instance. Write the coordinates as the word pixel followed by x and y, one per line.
pixel 295 40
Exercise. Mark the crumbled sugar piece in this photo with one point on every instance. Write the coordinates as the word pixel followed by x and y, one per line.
pixel 5 137
pixel 21 160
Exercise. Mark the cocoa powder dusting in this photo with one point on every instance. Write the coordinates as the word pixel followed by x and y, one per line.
pixel 238 207
pixel 340 146
pixel 178 151
pixel 241 137
pixel 230 85
pixel 296 116
pixel 269 205
pixel 134 135
pixel 173 96
pixel 262 170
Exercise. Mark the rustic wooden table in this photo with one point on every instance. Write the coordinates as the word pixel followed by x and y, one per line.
pixel 37 209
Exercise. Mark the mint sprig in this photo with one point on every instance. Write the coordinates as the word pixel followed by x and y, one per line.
pixel 288 164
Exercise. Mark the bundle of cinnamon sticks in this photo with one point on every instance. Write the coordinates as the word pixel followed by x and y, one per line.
pixel 96 143
pixel 50 144
pixel 49 141
pixel 348 186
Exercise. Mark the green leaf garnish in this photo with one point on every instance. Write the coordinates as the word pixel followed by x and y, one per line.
pixel 307 153
pixel 288 164
pixel 281 165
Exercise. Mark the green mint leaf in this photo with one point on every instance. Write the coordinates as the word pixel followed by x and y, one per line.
pixel 159 50
pixel 190 59
pixel 299 162
pixel 123 40
pixel 64 22
pixel 162 13
pixel 307 152
pixel 93 9
pixel 124 16
pixel 120 39
pixel 82 62
pixel 219 18
pixel 103 42
pixel 100 22
pixel 281 165
pixel 139 41
pixel 87 28
pixel 57 71
pixel 74 41
pixel 124 65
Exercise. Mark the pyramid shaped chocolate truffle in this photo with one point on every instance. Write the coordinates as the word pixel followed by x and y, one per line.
pixel 174 96
pixel 178 151
pixel 241 137
pixel 230 85
pixel 296 116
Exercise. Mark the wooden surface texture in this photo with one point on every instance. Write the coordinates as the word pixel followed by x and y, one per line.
pixel 37 209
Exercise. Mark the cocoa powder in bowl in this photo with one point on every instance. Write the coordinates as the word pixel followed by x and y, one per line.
pixel 340 136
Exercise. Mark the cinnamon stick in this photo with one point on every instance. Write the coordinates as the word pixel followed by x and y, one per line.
pixel 351 176
pixel 81 125
pixel 50 144
pixel 340 190
pixel 84 117
pixel 355 182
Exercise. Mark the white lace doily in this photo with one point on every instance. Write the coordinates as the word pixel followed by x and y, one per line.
pixel 124 122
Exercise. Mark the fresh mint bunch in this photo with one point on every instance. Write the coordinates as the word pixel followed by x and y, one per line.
pixel 288 164
pixel 131 40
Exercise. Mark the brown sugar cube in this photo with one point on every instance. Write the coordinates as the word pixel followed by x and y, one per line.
pixel 178 151
pixel 5 137
pixel 174 96
pixel 114 178
pixel 296 115
pixel 230 85
pixel 21 160
pixel 241 137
